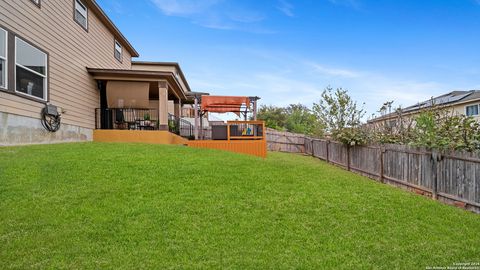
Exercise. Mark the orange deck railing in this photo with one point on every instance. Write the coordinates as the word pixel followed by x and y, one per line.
pixel 245 137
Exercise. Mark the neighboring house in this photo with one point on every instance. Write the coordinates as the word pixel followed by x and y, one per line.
pixel 188 113
pixel 213 121
pixel 69 54
pixel 459 102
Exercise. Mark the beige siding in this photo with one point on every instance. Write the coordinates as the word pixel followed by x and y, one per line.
pixel 71 49
pixel 462 108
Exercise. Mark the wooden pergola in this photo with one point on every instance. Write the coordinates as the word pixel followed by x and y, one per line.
pixel 247 137
pixel 204 103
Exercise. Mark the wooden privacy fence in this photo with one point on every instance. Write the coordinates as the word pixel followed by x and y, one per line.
pixel 452 177
pixel 285 141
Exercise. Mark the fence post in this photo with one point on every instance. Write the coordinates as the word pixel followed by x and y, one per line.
pixel 382 169
pixel 327 144
pixel 435 158
pixel 313 153
pixel 348 157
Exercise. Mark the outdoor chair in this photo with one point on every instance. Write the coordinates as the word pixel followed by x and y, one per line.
pixel 120 119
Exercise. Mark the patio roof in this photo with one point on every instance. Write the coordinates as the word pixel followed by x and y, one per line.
pixel 139 76
pixel 164 64
pixel 225 104
pixel 192 96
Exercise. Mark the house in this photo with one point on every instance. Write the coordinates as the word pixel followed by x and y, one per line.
pixel 458 102
pixel 67 75
pixel 70 55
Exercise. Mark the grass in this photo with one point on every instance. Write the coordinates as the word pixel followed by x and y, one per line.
pixel 120 206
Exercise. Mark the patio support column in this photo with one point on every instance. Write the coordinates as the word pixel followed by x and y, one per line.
pixel 254 101
pixel 177 108
pixel 195 109
pixel 255 110
pixel 163 105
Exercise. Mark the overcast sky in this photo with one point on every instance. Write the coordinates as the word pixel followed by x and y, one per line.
pixel 288 51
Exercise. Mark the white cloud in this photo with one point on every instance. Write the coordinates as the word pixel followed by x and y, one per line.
pixel 282 89
pixel 336 72
pixel 348 3
pixel 184 7
pixel 287 8
pixel 215 14
pixel 381 88
pixel 244 15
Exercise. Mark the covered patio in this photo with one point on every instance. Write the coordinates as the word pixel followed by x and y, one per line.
pixel 134 102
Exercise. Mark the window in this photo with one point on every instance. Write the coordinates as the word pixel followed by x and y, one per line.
pixel 472 110
pixel 30 70
pixel 392 123
pixel 81 14
pixel 3 58
pixel 118 51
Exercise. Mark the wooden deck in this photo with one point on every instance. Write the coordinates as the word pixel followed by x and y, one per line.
pixel 137 136
pixel 253 143
pixel 248 137
pixel 250 147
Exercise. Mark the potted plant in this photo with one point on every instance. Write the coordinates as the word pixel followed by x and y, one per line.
pixel 146 119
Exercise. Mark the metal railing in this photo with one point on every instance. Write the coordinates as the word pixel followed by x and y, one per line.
pixel 239 130
pixel 180 127
pixel 246 130
pixel 126 119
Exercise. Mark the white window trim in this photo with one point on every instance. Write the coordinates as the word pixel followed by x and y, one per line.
pixel 478 110
pixel 45 81
pixel 5 59
pixel 79 2
pixel 115 50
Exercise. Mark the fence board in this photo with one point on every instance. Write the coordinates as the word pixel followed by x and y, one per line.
pixel 366 160
pixel 285 141
pixel 337 153
pixel 320 149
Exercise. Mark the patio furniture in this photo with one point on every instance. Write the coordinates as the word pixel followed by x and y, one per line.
pixel 120 120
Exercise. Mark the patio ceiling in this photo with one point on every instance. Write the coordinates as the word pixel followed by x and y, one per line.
pixel 140 76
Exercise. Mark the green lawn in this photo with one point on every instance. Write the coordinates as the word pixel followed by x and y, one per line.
pixel 99 206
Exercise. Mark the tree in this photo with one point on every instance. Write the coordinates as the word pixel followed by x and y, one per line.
pixel 397 128
pixel 440 128
pixel 274 117
pixel 301 119
pixel 295 118
pixel 341 115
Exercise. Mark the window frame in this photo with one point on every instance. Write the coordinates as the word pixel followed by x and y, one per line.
pixel 473 105
pixel 5 86
pixel 115 43
pixel 81 3
pixel 45 77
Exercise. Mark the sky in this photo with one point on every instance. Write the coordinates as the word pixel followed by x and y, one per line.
pixel 289 51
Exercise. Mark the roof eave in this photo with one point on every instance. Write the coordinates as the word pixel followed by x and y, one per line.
pixel 167 64
pixel 135 74
pixel 416 110
pixel 112 27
